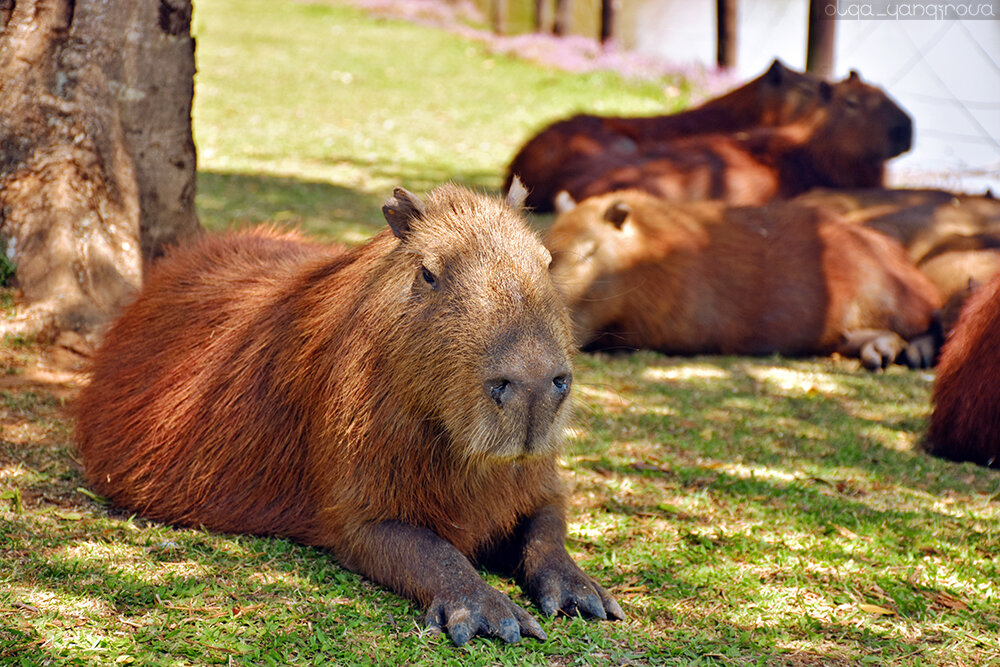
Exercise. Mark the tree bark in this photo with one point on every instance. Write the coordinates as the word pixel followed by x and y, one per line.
pixel 97 163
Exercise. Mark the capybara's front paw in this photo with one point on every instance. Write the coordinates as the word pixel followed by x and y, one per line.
pixel 567 589
pixel 483 611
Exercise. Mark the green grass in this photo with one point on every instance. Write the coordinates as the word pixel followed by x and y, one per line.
pixel 743 511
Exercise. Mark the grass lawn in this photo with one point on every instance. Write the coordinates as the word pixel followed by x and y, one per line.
pixel 744 511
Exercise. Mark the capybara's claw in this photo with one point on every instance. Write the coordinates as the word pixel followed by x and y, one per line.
pixel 486 612
pixel 570 591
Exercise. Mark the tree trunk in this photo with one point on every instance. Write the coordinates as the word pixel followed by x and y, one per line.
pixel 97 163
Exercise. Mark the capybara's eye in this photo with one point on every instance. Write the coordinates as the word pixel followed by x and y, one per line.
pixel 429 277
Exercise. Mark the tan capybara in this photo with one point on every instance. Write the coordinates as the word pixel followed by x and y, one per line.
pixel 846 144
pixel 927 222
pixel 777 97
pixel 638 272
pixel 954 239
pixel 965 424
pixel 401 404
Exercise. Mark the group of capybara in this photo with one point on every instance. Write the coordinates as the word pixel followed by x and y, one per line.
pixel 402 403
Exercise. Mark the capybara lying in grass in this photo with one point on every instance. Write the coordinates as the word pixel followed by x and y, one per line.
pixel 638 272
pixel 778 97
pixel 843 145
pixel 952 238
pixel 965 424
pixel 401 404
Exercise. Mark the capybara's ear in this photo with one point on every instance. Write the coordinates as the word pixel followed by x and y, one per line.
pixel 854 75
pixel 617 213
pixel 564 202
pixel 776 73
pixel 516 194
pixel 400 210
pixel 825 91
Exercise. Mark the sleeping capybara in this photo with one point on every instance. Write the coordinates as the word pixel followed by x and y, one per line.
pixel 965 423
pixel 638 272
pixel 843 145
pixel 400 403
pixel 954 239
pixel 777 97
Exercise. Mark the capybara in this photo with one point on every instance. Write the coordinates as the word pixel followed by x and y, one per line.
pixel 965 423
pixel 401 404
pixel 638 272
pixel 777 97
pixel 954 239
pixel 927 222
pixel 844 145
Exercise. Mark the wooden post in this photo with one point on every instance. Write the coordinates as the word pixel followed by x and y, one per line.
pixel 498 15
pixel 541 16
pixel 821 40
pixel 564 17
pixel 608 9
pixel 727 16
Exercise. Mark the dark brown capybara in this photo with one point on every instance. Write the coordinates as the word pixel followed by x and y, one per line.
pixel 965 423
pixel 638 272
pixel 845 144
pixel 401 404
pixel 777 97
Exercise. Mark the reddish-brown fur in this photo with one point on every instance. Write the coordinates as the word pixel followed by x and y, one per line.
pixel 954 239
pixel 843 145
pixel 777 97
pixel 965 424
pixel 705 278
pixel 400 403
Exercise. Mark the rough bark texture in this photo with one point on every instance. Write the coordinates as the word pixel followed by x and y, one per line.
pixel 97 163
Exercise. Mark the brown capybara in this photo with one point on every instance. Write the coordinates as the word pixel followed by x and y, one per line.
pixel 401 404
pixel 777 97
pixel 638 272
pixel 843 145
pixel 965 423
pixel 954 239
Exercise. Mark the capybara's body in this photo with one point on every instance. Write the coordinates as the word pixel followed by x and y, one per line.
pixel 845 144
pixel 778 97
pixel 965 424
pixel 954 239
pixel 400 403
pixel 638 272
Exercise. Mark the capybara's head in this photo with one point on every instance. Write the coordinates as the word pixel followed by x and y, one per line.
pixel 590 243
pixel 480 341
pixel 863 122
pixel 785 95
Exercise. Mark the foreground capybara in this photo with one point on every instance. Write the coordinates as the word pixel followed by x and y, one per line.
pixel 845 144
pixel 965 424
pixel 638 272
pixel 401 404
pixel 777 97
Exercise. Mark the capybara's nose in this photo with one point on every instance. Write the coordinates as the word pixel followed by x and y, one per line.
pixel 901 136
pixel 552 386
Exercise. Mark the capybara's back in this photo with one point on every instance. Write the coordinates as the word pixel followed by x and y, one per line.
pixel 778 96
pixel 400 403
pixel 203 334
pixel 965 424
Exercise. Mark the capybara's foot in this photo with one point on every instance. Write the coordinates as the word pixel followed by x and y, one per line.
pixel 921 352
pixel 482 611
pixel 875 348
pixel 567 589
